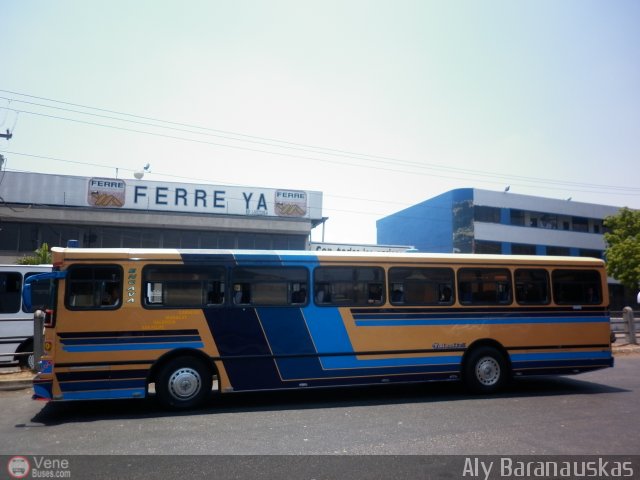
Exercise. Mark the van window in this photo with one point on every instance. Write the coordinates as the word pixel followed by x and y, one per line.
pixel 10 289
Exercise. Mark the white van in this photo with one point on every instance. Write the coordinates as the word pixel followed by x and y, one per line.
pixel 16 322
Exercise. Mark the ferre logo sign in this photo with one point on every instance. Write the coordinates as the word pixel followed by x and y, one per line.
pixel 291 203
pixel 110 193
pixel 106 192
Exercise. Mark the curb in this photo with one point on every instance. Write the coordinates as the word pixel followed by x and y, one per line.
pixel 626 349
pixel 10 385
pixel 7 383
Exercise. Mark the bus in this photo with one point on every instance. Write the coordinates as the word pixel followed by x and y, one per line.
pixel 16 320
pixel 180 324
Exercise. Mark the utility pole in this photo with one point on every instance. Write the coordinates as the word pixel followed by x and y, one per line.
pixel 7 135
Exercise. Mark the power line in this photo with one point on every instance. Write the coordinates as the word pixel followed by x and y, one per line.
pixel 475 173
pixel 220 182
pixel 168 122
pixel 394 162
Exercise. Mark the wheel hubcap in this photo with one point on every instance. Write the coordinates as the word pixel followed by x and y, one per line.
pixel 185 383
pixel 488 371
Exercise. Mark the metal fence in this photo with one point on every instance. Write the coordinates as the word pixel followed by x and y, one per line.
pixel 625 325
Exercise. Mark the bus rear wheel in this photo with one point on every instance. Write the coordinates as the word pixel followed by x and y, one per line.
pixel 184 382
pixel 485 371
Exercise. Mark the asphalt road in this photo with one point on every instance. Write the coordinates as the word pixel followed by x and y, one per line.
pixel 593 413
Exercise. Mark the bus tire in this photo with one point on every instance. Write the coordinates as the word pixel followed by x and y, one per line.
pixel 184 382
pixel 485 370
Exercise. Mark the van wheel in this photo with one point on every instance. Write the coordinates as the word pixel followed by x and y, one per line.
pixel 184 382
pixel 485 371
pixel 27 361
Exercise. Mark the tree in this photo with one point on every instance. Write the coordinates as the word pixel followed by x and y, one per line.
pixel 42 256
pixel 623 247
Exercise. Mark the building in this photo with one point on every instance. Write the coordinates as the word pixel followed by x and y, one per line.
pixel 112 212
pixel 471 220
pixel 480 221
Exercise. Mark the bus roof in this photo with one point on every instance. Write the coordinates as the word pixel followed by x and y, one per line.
pixel 65 255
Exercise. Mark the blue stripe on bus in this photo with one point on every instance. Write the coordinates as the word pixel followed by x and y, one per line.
pixel 376 322
pixel 522 357
pixel 105 341
pixel 102 385
pixel 43 390
pixel 468 312
pixel 547 361
pixel 285 330
pixel 352 362
pixel 131 347
pixel 106 394
pixel 129 333
pixel 296 369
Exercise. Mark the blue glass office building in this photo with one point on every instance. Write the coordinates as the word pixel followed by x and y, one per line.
pixel 470 220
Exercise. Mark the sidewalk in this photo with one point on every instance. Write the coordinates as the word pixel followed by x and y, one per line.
pixel 13 378
pixel 623 348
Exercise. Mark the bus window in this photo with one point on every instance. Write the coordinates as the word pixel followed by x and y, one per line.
pixel 532 286
pixel 270 285
pixel 10 288
pixel 421 286
pixel 484 286
pixel 349 285
pixel 576 287
pixel 93 287
pixel 184 286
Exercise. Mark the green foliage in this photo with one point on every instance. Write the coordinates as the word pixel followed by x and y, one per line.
pixel 623 247
pixel 41 256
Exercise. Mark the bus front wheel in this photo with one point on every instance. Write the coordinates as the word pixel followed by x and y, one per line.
pixel 184 382
pixel 485 371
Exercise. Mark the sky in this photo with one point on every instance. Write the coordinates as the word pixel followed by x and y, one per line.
pixel 378 104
